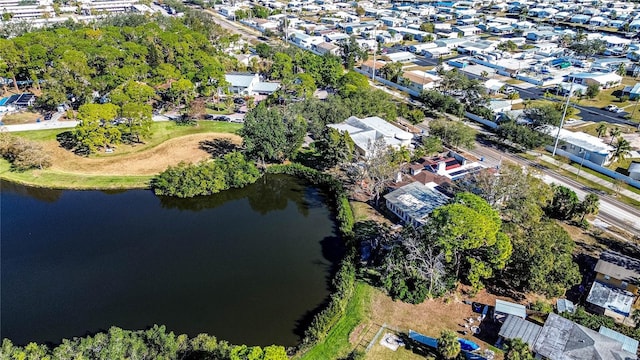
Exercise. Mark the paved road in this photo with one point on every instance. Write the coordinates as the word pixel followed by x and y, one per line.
pixel 612 211
pixel 54 123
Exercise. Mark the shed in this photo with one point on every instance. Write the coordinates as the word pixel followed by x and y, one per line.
pixel 517 328
pixel 634 171
pixel 505 308
pixel 565 305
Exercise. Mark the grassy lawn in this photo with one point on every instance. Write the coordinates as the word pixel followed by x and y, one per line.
pixel 591 129
pixel 67 172
pixel 23 117
pixel 337 344
pixel 162 131
pixel 59 180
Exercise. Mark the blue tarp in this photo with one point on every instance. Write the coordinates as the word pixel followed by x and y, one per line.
pixel 4 101
pixel 471 356
pixel 468 345
pixel 423 339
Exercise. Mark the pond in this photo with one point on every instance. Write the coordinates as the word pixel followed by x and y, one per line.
pixel 247 265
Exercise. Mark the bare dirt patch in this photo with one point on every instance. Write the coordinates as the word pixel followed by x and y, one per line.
pixel 147 162
pixel 23 117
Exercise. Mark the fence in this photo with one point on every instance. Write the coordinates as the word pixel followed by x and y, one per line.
pixel 389 83
pixel 596 167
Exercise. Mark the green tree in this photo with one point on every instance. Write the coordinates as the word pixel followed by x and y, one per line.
pixel 428 27
pixel 334 148
pixel 352 52
pixel 448 345
pixel 614 132
pixel 270 135
pixel 182 91
pixel 95 128
pixel 431 144
pixel 621 70
pixel 592 91
pixel 282 67
pixel 588 206
pixel 305 85
pixel 352 82
pixel 564 203
pixel 542 259
pixel 516 349
pixel 602 129
pixel 621 149
pixel 137 121
pixel 453 133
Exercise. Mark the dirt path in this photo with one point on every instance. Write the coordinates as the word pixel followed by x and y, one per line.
pixel 147 162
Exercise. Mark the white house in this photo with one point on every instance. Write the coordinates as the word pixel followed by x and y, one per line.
pixel 364 133
pixel 249 84
pixel 414 202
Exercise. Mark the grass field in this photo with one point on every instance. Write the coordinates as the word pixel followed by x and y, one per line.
pixel 129 166
pixel 337 345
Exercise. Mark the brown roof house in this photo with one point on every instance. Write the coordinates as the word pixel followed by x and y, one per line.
pixel 615 290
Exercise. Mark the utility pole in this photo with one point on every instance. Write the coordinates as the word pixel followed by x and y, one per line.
pixel 564 113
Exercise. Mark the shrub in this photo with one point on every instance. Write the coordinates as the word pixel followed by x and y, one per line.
pixel 23 154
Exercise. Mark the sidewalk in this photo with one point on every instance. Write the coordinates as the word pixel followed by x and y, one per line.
pixel 590 177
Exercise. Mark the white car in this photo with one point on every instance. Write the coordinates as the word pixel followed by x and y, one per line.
pixel 612 108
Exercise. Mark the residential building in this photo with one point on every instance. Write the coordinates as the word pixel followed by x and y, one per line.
pixel 418 80
pixel 249 84
pixel 603 80
pixel 615 290
pixel 414 202
pixel 365 132
pixel 563 339
pixel 327 48
pixel 585 146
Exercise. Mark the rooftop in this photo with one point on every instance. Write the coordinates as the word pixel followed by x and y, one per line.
pixel 518 328
pixel 619 266
pixel 510 308
pixel 562 339
pixel 580 139
pixel 417 200
pixel 610 298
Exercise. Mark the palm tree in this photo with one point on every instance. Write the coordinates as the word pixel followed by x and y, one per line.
pixel 589 206
pixel 601 129
pixel 622 70
pixel 614 132
pixel 448 345
pixel 484 74
pixel 622 148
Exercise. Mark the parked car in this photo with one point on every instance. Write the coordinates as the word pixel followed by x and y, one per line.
pixel 613 108
pixel 48 116
pixel 509 90
pixel 217 117
pixel 239 101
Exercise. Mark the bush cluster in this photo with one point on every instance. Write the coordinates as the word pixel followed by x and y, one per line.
pixel 23 154
pixel 206 178
pixel 153 343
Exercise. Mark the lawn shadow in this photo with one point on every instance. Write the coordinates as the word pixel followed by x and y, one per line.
pixel 68 142
pixel 218 147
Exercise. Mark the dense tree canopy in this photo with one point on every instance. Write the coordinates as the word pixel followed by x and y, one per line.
pixel 77 61
pixel 272 134
pixel 153 343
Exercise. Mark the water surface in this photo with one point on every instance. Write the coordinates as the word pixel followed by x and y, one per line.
pixel 246 265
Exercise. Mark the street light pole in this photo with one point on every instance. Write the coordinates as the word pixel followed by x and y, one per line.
pixel 564 113
pixel 581 162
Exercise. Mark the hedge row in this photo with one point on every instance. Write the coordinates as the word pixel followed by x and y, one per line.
pixel 344 280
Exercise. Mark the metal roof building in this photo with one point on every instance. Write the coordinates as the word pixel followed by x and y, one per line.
pixel 517 328
pixel 628 344
pixel 505 308
pixel 414 202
